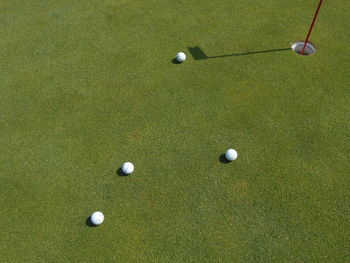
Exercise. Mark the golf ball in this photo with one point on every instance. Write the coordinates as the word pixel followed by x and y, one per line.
pixel 231 155
pixel 128 168
pixel 97 218
pixel 180 57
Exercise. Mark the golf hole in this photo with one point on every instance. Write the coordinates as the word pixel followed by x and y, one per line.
pixel 309 49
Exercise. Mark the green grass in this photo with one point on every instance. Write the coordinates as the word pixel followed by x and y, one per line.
pixel 87 85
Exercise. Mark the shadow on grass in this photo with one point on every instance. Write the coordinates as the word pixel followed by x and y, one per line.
pixel 120 172
pixel 198 54
pixel 175 61
pixel 89 223
pixel 223 159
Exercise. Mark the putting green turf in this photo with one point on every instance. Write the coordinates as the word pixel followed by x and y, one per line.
pixel 87 85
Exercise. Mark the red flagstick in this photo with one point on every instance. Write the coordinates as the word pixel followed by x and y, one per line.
pixel 311 27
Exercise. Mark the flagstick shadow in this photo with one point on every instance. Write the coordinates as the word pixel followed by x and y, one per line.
pixel 198 54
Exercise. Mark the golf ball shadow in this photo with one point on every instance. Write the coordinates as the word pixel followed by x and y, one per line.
pixel 175 61
pixel 89 223
pixel 120 172
pixel 223 159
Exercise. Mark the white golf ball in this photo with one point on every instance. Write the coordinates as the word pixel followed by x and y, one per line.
pixel 180 57
pixel 128 168
pixel 97 218
pixel 231 155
